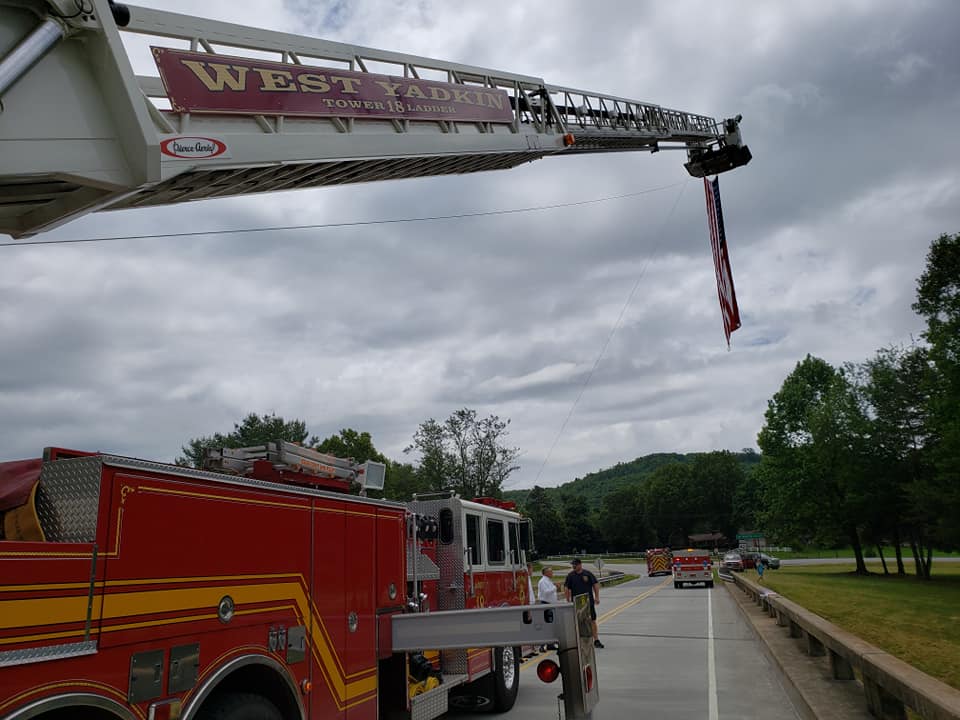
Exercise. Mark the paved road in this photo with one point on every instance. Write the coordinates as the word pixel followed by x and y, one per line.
pixel 671 655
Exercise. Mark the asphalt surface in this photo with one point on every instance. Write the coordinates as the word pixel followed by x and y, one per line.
pixel 670 654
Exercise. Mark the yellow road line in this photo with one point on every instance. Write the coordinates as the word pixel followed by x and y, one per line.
pixel 611 614
pixel 630 603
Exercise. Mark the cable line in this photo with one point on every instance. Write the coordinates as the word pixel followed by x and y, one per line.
pixel 613 331
pixel 326 226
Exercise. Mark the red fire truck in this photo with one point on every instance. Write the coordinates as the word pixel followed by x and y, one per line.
pixel 692 566
pixel 658 561
pixel 137 590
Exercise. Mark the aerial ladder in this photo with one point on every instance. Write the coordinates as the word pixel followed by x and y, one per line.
pixel 80 131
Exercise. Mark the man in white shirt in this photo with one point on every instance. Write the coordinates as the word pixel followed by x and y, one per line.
pixel 547 594
pixel 546 589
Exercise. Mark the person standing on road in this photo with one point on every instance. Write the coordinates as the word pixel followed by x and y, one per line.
pixel 584 582
pixel 547 595
pixel 546 588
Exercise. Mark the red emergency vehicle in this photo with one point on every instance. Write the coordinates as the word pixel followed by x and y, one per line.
pixel 658 561
pixel 134 590
pixel 692 566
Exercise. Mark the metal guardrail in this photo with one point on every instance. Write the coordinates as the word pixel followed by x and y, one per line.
pixel 889 684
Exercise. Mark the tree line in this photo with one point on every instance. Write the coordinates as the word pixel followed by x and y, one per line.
pixel 466 454
pixel 700 493
pixel 869 453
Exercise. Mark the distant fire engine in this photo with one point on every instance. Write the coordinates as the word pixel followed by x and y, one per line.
pixel 143 591
pixel 692 566
pixel 658 561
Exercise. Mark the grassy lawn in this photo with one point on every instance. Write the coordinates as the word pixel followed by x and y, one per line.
pixel 888 553
pixel 917 621
pixel 620 580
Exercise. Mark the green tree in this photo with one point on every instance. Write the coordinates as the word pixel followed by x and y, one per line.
pixel 403 481
pixel 670 504
pixel 622 522
pixel 351 444
pixel 814 479
pixel 466 454
pixel 549 531
pixel 896 384
pixel 582 534
pixel 938 301
pixel 715 477
pixel 252 430
pixel 429 441
pixel 747 506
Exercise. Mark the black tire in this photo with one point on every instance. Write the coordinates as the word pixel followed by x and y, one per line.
pixel 506 678
pixel 676 585
pixel 709 583
pixel 239 706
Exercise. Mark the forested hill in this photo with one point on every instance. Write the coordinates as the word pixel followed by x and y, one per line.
pixel 592 488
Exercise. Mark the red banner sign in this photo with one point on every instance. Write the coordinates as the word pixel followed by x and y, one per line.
pixel 207 83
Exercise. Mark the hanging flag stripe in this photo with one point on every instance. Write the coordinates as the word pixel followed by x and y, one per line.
pixel 721 259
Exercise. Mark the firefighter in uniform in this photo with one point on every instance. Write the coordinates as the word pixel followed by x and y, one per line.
pixel 584 582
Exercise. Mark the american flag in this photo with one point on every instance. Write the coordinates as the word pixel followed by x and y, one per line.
pixel 721 259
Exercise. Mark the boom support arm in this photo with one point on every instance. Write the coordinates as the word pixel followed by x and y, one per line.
pixel 80 131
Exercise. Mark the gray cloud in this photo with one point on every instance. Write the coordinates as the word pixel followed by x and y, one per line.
pixel 137 346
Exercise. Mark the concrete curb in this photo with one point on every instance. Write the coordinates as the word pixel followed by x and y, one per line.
pixel 808 681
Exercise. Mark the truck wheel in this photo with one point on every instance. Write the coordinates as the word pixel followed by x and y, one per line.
pixel 240 706
pixel 496 692
pixel 506 677
pixel 676 585
pixel 709 583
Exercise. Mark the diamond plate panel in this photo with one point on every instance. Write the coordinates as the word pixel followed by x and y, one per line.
pixel 450 560
pixel 25 656
pixel 435 702
pixel 68 497
pixel 426 569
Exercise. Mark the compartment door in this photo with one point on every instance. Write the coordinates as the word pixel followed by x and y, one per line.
pixel 360 624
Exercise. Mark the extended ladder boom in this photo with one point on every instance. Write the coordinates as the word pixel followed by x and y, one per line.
pixel 80 132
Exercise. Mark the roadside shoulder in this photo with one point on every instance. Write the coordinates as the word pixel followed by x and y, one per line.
pixel 808 680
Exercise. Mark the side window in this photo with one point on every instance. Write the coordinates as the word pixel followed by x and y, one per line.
pixel 446 526
pixel 473 538
pixel 514 531
pixel 526 535
pixel 495 546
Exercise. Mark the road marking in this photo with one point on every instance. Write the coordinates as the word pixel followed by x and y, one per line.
pixel 711 661
pixel 611 614
pixel 630 603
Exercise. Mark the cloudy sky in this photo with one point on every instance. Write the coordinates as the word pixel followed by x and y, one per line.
pixel 850 108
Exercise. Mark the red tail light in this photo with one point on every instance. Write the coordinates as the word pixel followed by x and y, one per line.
pixel 548 671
